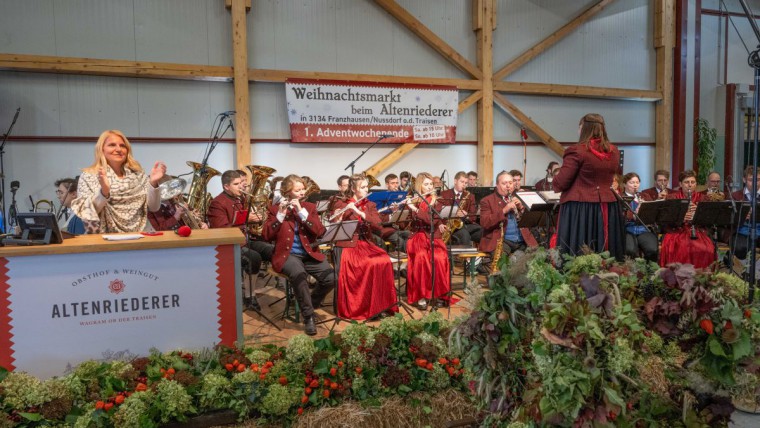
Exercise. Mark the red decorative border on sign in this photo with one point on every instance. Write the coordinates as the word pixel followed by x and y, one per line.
pixel 369 84
pixel 307 133
pixel 6 353
pixel 225 271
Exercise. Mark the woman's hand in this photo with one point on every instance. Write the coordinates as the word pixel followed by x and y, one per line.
pixel 105 186
pixel 442 227
pixel 157 173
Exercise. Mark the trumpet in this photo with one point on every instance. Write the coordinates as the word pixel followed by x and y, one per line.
pixel 408 200
pixel 344 209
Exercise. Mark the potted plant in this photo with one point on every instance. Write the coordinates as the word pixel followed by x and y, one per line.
pixel 706 138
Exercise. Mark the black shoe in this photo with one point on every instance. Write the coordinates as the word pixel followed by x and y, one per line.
pixel 316 302
pixel 403 273
pixel 310 328
pixel 440 303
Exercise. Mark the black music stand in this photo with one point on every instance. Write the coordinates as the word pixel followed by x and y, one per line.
pixel 246 264
pixel 337 232
pixel 663 212
pixel 715 213
pixel 539 212
pixel 397 218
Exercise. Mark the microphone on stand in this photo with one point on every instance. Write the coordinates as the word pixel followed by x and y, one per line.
pixel 14 186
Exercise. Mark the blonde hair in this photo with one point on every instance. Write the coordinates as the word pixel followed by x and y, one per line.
pixel 418 185
pixel 100 157
pixel 353 184
pixel 288 183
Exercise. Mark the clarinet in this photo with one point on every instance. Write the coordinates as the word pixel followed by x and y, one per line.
pixel 693 229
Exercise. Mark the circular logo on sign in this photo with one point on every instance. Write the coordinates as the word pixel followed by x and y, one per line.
pixel 116 286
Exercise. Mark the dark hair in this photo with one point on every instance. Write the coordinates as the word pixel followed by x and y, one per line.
pixel 472 173
pixel 664 172
pixel 390 177
pixel 229 175
pixel 551 164
pixel 515 172
pixel 592 127
pixel 70 183
pixel 686 174
pixel 748 171
pixel 629 176
pixel 459 175
pixel 405 174
pixel 341 178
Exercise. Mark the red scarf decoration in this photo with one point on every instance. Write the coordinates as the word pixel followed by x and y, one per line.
pixel 594 145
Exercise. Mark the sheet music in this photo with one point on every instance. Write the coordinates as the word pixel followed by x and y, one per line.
pixel 550 196
pixel 341 231
pixel 530 198
pixel 449 211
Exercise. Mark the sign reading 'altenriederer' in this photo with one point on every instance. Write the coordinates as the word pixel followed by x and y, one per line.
pixel 349 112
pixel 67 308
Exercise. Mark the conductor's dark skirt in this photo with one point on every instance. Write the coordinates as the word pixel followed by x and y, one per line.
pixel 599 226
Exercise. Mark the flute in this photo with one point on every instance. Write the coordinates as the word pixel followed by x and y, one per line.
pixel 344 209
pixel 405 201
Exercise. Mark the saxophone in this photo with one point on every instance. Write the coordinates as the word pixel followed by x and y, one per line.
pixel 456 223
pixel 497 252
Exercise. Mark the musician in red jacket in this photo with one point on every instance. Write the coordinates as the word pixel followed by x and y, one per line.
pixel 419 287
pixel 660 189
pixel 589 214
pixel 497 210
pixel 465 200
pixel 294 226
pixel 365 274
pixel 687 243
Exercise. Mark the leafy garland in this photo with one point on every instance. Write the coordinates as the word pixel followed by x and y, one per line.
pixel 598 343
pixel 396 358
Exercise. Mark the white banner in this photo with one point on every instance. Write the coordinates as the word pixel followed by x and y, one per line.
pixel 347 111
pixel 110 305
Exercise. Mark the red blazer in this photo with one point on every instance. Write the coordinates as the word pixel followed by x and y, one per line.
pixel 448 198
pixel 584 177
pixel 422 218
pixel 283 233
pixel 491 217
pixel 164 219
pixel 542 184
pixel 366 227
pixel 221 211
pixel 652 193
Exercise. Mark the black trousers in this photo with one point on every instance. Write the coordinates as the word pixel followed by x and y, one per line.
pixel 255 252
pixel 643 245
pixel 297 268
pixel 467 234
pixel 740 244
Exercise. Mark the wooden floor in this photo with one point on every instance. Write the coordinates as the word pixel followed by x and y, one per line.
pixel 258 331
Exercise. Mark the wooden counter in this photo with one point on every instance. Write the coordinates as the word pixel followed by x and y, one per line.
pixel 95 243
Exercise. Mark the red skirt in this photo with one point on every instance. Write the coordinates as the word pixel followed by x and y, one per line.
pixel 418 268
pixel 678 247
pixel 365 282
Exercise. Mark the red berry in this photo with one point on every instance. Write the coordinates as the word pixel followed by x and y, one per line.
pixel 108 406
pixel 99 405
pixel 358 370
pixel 326 393
pixel 333 371
pixel 241 367
pixel 283 380
pixel 119 399
pixel 228 367
pixel 304 399
pixel 300 411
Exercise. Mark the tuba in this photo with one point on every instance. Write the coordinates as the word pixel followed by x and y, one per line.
pixel 44 206
pixel 171 190
pixel 258 198
pixel 371 181
pixel 198 199
pixel 311 187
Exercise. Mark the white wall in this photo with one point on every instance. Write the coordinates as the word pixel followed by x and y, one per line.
pixel 613 49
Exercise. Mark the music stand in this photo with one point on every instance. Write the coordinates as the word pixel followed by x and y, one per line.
pixel 715 213
pixel 397 218
pixel 337 232
pixel 480 192
pixel 384 198
pixel 663 212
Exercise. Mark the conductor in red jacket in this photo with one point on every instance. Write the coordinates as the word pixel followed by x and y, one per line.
pixel 294 226
pixel 589 214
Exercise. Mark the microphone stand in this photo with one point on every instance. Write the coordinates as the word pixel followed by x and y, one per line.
pixel 727 187
pixel 433 213
pixel 4 219
pixel 353 162
pixel 754 61
pixel 212 145
pixel 628 206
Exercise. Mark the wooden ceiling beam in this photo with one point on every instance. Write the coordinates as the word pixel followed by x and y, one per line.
pixel 426 35
pixel 401 151
pixel 264 75
pixel 529 124
pixel 552 89
pixel 238 10
pixel 484 48
pixel 112 67
pixel 550 41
